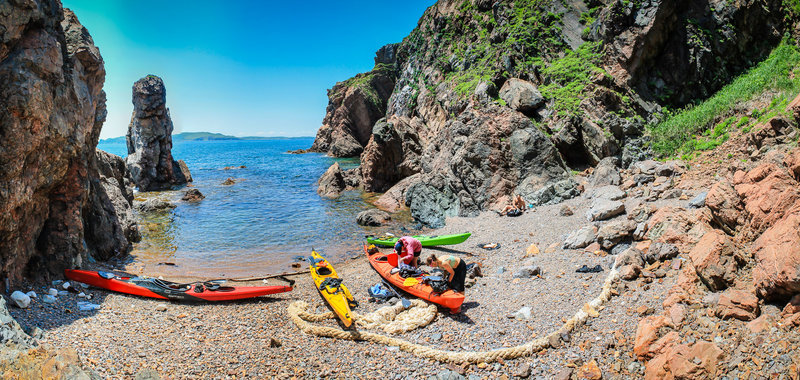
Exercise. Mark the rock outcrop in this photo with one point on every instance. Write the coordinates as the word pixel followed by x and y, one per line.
pixel 354 106
pixel 108 216
pixel 149 139
pixel 52 207
pixel 478 85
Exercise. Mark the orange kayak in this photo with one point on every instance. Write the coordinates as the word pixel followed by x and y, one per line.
pixel 449 299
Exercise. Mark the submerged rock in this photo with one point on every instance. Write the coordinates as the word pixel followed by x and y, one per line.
pixel 193 195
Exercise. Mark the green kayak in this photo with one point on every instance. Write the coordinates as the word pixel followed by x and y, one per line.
pixel 427 241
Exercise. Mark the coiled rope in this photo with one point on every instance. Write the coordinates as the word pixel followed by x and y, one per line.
pixel 301 317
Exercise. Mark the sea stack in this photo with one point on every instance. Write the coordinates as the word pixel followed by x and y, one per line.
pixel 149 139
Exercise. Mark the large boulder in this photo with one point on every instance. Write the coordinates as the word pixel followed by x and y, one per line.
pixel 776 274
pixel 521 96
pixel 372 217
pixel 581 238
pixel 149 138
pixel 739 304
pixel 614 232
pixel 395 198
pixel 331 184
pixel 716 260
pixel 603 209
pixel 725 206
pixel 393 153
pixel 606 172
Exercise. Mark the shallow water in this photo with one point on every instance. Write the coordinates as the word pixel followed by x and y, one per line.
pixel 255 226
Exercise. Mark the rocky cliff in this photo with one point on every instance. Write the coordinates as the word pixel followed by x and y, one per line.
pixel 149 139
pixel 53 106
pixel 491 99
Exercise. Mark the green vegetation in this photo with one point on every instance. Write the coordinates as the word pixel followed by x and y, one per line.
pixel 568 77
pixel 694 128
pixel 363 81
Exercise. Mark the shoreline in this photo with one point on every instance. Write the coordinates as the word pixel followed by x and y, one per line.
pixel 130 329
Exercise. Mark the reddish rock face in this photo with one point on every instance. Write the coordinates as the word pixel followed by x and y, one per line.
pixel 646 335
pixel 715 260
pixel 777 253
pixel 698 361
pixel 768 192
pixel 739 304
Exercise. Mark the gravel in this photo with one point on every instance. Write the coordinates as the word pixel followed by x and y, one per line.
pixel 129 334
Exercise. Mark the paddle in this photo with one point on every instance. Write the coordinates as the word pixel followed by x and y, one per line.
pixel 406 303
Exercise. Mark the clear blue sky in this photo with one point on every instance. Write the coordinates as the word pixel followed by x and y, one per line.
pixel 257 68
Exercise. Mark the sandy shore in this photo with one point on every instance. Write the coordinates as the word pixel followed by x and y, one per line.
pixel 236 340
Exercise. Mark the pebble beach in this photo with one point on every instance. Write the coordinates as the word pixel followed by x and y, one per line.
pixel 256 339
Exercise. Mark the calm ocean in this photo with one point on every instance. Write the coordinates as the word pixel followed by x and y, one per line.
pixel 255 226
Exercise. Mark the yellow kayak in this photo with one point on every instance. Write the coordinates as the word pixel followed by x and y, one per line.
pixel 330 287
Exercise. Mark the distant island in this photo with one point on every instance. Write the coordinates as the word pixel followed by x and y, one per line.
pixel 205 136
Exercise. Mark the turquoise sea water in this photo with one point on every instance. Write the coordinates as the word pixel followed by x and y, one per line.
pixel 255 226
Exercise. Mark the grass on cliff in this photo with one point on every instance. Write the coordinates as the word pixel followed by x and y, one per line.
pixel 692 129
pixel 568 77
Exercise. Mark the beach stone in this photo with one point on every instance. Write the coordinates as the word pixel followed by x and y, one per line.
pixel 619 248
pixel 614 232
pixel 739 304
pixel 373 217
pixel 523 371
pixel 660 252
pixel 48 299
pixel 149 139
pixel 274 342
pixel 565 211
pixel 21 299
pixel 161 307
pixel 436 336
pixel 32 294
pixel 606 172
pixel 603 209
pixel 647 333
pixel 447 374
pixel 528 271
pixel 147 374
pixel 52 292
pixel 699 200
pixel 590 371
pixel 610 192
pixel 193 195
pixel 523 314
pixel 581 238
pixel 645 167
pixel 228 181
pixel 501 270
pixel 563 374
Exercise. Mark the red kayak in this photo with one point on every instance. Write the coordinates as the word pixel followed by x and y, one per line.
pixel 381 263
pixel 155 288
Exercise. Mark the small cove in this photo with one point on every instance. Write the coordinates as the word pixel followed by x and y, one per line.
pixel 253 227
